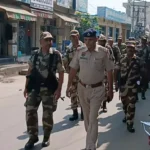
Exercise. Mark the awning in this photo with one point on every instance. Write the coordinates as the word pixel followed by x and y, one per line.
pixel 14 12
pixel 67 19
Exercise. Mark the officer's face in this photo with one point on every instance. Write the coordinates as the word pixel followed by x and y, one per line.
pixel 46 43
pixel 130 52
pixel 90 42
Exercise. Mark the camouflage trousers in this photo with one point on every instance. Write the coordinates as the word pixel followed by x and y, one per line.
pixel 128 98
pixel 49 106
pixel 106 90
pixel 74 94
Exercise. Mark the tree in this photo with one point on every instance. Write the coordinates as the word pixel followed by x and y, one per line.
pixel 87 21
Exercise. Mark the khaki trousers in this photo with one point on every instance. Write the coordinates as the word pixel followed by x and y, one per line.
pixel 90 101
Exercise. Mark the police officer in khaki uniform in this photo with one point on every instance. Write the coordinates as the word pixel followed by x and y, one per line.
pixel 92 60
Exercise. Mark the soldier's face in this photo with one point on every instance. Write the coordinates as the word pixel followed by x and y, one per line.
pixel 46 43
pixel 102 42
pixel 74 39
pixel 110 42
pixel 119 41
pixel 90 42
pixel 144 42
pixel 130 52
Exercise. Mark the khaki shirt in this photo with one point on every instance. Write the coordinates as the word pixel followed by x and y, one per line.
pixel 92 64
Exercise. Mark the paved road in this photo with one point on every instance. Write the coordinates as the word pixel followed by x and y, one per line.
pixel 66 135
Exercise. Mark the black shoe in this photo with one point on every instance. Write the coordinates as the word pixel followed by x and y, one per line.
pixel 143 96
pixel 30 144
pixel 130 129
pixel 45 142
pixel 104 107
pixel 74 116
pixel 124 120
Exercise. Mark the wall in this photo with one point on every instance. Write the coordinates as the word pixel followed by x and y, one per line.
pixel 111 14
pixel 107 24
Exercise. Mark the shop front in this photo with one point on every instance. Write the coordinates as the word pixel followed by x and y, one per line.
pixel 16 29
pixel 44 12
pixel 64 25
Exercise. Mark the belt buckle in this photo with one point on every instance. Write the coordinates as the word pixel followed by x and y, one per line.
pixel 88 86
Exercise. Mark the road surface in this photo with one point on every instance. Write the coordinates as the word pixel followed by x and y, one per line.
pixel 67 135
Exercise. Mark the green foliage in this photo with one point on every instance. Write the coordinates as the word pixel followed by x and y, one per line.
pixel 87 21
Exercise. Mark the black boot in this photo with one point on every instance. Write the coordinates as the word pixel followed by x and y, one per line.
pixel 137 98
pixel 82 117
pixel 45 142
pixel 30 144
pixel 143 95
pixel 130 128
pixel 124 120
pixel 104 107
pixel 74 116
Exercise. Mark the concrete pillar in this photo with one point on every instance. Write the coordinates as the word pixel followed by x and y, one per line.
pixel 114 34
pixel 107 31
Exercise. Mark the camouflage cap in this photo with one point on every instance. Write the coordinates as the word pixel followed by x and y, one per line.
pixel 119 37
pixel 74 33
pixel 131 39
pixel 130 45
pixel 46 35
pixel 110 39
pixel 102 37
pixel 132 42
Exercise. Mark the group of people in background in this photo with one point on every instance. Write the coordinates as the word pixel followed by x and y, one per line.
pixel 95 68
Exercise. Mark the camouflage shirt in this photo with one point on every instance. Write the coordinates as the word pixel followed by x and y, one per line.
pixel 143 53
pixel 110 52
pixel 122 48
pixel 135 72
pixel 70 54
pixel 42 63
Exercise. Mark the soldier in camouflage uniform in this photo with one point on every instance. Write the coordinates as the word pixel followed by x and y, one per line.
pixel 131 68
pixel 143 53
pixel 75 43
pixel 122 46
pixel 102 41
pixel 45 95
pixel 117 56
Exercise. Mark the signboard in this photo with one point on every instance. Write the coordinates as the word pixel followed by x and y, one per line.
pixel 24 1
pixel 42 4
pixel 81 5
pixel 65 3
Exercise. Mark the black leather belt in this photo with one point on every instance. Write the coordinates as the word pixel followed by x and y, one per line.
pixel 91 85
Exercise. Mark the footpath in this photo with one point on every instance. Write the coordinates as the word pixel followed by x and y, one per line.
pixel 12 69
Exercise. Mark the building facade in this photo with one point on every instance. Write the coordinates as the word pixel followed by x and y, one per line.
pixel 12 35
pixel 114 23
pixel 22 21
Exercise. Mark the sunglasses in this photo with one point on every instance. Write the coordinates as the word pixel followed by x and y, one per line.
pixel 48 39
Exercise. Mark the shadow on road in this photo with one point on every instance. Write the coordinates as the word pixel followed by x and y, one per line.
pixel 37 147
pixel 116 134
pixel 65 124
